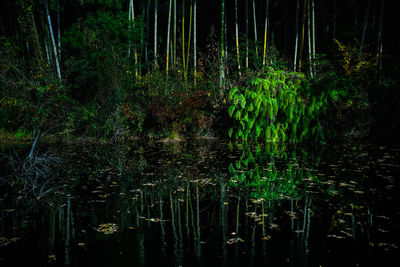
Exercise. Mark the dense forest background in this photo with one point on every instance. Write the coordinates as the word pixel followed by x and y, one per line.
pixel 118 69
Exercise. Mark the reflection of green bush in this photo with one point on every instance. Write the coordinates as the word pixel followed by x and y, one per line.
pixel 260 172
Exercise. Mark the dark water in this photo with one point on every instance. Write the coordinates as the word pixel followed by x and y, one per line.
pixel 172 205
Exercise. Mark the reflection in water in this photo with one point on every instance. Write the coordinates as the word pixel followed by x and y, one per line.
pixel 176 206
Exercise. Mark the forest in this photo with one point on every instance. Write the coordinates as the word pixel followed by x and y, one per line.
pixel 173 68
pixel 148 131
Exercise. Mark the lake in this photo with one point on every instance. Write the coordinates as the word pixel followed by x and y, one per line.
pixel 199 203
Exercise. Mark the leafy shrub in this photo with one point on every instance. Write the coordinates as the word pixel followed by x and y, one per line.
pixel 275 108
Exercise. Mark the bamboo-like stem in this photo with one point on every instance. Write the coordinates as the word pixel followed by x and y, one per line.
pixel 309 38
pixel 247 33
pixel 380 42
pixel 174 57
pixel 364 26
pixel 265 31
pixel 334 20
pixel 169 30
pixel 194 43
pixel 255 27
pixel 221 67
pixel 189 40
pixel 58 33
pixel 302 34
pixel 155 30
pixel 237 36
pixel 313 33
pixel 146 57
pixel 183 39
pixel 131 20
pixel 53 40
pixel 297 35
pixel 36 41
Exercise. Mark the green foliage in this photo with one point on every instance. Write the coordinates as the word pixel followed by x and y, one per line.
pixel 275 108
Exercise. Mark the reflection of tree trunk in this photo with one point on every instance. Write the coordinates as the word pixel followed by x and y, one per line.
pixel 162 229
pixel 253 241
pixel 187 210
pixel 173 227
pixel 198 244
pixel 180 240
pixel 141 249
pixel 223 222
pixel 67 235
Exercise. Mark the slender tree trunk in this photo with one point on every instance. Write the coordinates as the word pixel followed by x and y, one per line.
pixel 195 45
pixel 190 38
pixel 131 20
pixel 247 33
pixel 313 33
pixel 302 34
pixel 174 33
pixel 59 32
pixel 155 30
pixel 297 35
pixel 183 39
pixel 169 30
pixel 265 31
pixel 334 20
pixel 146 56
pixel 380 41
pixel 221 67
pixel 237 36
pixel 53 41
pixel 364 26
pixel 47 53
pixel 285 27
pixel 36 41
pixel 255 28
pixel 309 38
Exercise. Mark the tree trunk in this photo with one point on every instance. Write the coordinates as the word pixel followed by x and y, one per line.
pixel 221 67
pixel 155 31
pixel 247 33
pixel 189 40
pixel 146 56
pixel 169 30
pixel 297 35
pixel 59 32
pixel 309 38
pixel 174 59
pixel 194 41
pixel 302 34
pixel 265 31
pixel 131 20
pixel 53 41
pixel 237 37
pixel 183 38
pixel 313 34
pixel 364 26
pixel 255 27
pixel 380 41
